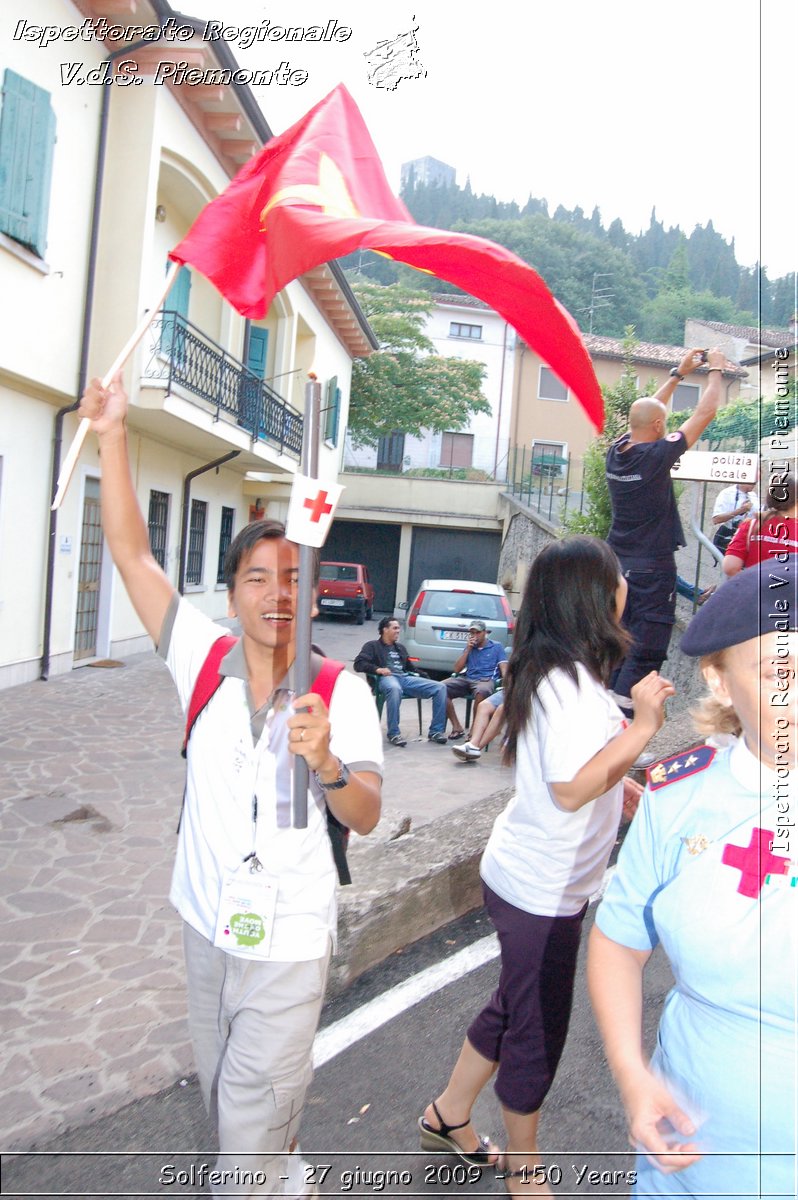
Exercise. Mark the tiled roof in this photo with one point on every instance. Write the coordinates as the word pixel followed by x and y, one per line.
pixel 646 353
pixel 461 301
pixel 755 334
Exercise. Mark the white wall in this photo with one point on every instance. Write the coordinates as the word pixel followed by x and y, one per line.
pixel 41 328
pixel 154 155
pixel 495 350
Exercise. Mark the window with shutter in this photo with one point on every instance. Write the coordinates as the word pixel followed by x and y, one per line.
pixel 27 138
pixel 225 538
pixel 332 411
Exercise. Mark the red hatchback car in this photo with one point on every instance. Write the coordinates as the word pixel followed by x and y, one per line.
pixel 345 590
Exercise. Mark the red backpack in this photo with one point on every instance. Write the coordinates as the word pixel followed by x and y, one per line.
pixel 208 682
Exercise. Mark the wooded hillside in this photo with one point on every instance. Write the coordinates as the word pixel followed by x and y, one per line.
pixel 607 278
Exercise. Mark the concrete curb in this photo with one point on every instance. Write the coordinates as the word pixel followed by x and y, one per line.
pixel 407 888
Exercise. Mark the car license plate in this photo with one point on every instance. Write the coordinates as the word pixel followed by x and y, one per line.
pixel 333 603
pixel 454 635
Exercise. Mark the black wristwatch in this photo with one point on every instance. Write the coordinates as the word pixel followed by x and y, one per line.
pixel 340 781
pixel 675 373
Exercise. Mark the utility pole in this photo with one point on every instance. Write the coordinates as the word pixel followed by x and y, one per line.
pixel 600 297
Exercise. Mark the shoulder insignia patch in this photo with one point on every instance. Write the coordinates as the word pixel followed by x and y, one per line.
pixel 680 766
pixel 673 437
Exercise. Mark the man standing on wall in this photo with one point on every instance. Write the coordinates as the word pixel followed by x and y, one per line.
pixel 646 530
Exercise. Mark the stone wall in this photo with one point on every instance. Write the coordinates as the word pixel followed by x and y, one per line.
pixel 526 535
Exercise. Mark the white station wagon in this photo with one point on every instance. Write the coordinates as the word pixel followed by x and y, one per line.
pixel 438 620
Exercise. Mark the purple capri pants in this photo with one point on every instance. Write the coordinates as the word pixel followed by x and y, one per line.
pixel 524 1025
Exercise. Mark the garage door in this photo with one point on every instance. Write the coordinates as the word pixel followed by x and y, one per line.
pixel 376 545
pixel 453 554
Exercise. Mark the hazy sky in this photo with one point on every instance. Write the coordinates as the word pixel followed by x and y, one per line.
pixel 624 105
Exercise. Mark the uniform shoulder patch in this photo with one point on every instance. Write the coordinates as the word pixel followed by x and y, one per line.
pixel 680 766
pixel 673 437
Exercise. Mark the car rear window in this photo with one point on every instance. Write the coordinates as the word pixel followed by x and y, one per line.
pixel 339 571
pixel 462 604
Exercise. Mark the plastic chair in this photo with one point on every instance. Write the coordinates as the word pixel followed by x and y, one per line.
pixel 379 700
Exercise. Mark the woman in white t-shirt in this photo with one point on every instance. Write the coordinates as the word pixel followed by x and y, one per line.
pixel 571 747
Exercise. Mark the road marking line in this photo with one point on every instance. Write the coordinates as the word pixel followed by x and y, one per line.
pixel 344 1033
pixel 364 1020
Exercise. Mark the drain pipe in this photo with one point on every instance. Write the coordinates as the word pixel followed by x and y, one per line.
pixel 217 462
pixel 58 431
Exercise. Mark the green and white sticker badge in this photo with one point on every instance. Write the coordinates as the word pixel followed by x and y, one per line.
pixel 245 920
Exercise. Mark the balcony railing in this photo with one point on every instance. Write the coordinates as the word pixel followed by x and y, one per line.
pixel 182 354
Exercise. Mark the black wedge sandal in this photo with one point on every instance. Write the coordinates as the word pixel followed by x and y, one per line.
pixel 440 1139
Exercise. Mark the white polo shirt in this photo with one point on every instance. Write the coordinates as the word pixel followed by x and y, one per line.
pixel 732 497
pixel 227 771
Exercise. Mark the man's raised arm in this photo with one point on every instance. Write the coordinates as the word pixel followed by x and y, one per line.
pixel 707 407
pixel 123 523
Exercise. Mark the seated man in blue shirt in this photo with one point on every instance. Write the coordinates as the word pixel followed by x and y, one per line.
pixel 386 658
pixel 481 660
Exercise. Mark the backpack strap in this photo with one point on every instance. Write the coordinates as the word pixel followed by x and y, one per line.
pixel 338 833
pixel 207 684
pixel 324 682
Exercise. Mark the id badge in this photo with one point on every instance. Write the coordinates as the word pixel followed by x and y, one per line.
pixel 245 920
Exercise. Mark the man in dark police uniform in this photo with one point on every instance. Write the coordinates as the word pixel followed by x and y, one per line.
pixel 646 530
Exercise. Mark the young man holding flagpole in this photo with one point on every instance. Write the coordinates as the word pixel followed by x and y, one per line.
pixel 256 893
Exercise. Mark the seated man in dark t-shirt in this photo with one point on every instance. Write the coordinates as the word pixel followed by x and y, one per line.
pixel 386 658
pixel 646 529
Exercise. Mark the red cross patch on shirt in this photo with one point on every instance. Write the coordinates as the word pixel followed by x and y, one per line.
pixel 754 861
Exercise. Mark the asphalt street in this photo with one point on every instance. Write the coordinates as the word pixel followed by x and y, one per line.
pixel 359 1134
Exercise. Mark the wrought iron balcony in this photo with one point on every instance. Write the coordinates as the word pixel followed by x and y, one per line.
pixel 183 355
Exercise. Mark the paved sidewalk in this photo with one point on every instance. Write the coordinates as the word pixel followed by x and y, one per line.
pixel 91 978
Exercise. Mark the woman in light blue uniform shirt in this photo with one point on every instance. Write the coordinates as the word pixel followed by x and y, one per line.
pixel 709 870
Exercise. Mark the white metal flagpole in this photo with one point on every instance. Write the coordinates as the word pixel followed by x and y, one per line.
pixel 124 354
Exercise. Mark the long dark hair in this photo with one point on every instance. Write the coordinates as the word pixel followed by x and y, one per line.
pixel 567 616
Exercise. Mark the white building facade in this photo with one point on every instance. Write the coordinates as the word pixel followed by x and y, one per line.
pixel 104 181
pixel 458 327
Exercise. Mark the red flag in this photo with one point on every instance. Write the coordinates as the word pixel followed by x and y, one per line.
pixel 317 192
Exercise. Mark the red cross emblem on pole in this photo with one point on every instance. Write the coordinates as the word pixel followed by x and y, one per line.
pixel 318 507
pixel 755 861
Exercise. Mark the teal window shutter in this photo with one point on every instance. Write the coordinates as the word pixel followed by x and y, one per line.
pixel 258 346
pixel 27 138
pixel 173 330
pixel 337 416
pixel 332 411
pixel 181 290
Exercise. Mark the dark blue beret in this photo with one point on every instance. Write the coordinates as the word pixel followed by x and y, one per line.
pixel 759 600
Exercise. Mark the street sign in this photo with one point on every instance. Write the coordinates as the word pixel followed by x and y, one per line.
pixel 716 466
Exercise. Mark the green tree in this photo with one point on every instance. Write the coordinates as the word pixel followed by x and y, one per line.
pixel 567 258
pixel 596 514
pixel 662 319
pixel 784 300
pixel 742 424
pixel 405 385
pixel 677 274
